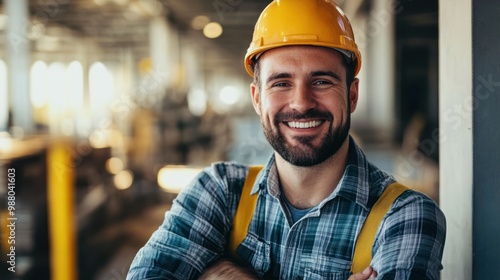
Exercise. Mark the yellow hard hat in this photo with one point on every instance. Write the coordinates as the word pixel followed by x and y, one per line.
pixel 302 22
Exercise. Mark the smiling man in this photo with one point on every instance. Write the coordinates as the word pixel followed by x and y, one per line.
pixel 317 189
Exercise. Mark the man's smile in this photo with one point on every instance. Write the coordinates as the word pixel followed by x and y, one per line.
pixel 304 124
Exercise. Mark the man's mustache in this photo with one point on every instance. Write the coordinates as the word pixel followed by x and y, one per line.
pixel 310 114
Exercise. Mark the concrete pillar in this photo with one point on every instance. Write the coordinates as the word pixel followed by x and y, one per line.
pixel 455 88
pixel 163 45
pixel 4 98
pixel 360 116
pixel 18 54
pixel 380 66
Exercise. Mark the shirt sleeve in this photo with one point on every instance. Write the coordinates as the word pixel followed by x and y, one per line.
pixel 410 240
pixel 194 231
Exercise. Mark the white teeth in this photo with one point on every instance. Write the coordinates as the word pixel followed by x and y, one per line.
pixel 304 124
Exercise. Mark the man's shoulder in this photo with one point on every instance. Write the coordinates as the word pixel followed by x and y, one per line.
pixel 414 204
pixel 411 235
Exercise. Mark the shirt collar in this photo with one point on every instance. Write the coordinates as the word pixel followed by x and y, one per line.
pixel 267 177
pixel 354 184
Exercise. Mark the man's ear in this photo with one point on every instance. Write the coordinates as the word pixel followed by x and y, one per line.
pixel 353 94
pixel 254 90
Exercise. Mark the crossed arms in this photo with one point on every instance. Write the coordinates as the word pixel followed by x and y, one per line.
pixel 192 239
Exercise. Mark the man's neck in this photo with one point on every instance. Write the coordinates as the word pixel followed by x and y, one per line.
pixel 305 187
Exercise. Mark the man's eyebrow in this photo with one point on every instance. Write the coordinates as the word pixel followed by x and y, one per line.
pixel 278 76
pixel 327 73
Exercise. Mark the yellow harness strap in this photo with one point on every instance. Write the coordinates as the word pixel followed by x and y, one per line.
pixel 364 242
pixel 363 248
pixel 244 212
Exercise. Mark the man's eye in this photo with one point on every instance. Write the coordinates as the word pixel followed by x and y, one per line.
pixel 282 84
pixel 322 82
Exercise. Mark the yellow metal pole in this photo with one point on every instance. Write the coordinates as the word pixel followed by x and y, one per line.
pixel 61 212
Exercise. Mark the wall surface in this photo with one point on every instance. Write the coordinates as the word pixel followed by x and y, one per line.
pixel 486 131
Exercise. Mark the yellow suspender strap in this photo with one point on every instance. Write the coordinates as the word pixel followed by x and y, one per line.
pixel 363 249
pixel 244 212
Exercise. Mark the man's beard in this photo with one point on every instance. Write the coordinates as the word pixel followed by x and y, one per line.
pixel 308 155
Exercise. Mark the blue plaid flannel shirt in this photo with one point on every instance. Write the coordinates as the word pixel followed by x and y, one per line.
pixel 409 242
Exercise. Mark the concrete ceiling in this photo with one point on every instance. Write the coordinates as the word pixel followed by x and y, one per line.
pixel 115 24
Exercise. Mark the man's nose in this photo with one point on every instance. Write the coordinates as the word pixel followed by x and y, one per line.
pixel 302 99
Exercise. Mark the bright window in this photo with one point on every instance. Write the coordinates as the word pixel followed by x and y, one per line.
pixel 38 89
pixel 101 87
pixel 58 98
pixel 74 74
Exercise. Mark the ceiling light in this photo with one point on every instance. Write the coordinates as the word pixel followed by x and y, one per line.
pixel 212 30
pixel 199 22
pixel 123 179
pixel 114 165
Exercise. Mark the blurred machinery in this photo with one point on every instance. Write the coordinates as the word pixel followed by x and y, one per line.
pixel 69 193
pixel 78 189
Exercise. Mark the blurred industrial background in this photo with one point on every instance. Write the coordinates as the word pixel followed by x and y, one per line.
pixel 107 107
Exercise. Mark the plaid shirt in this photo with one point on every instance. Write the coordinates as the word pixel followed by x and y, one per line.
pixel 409 242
